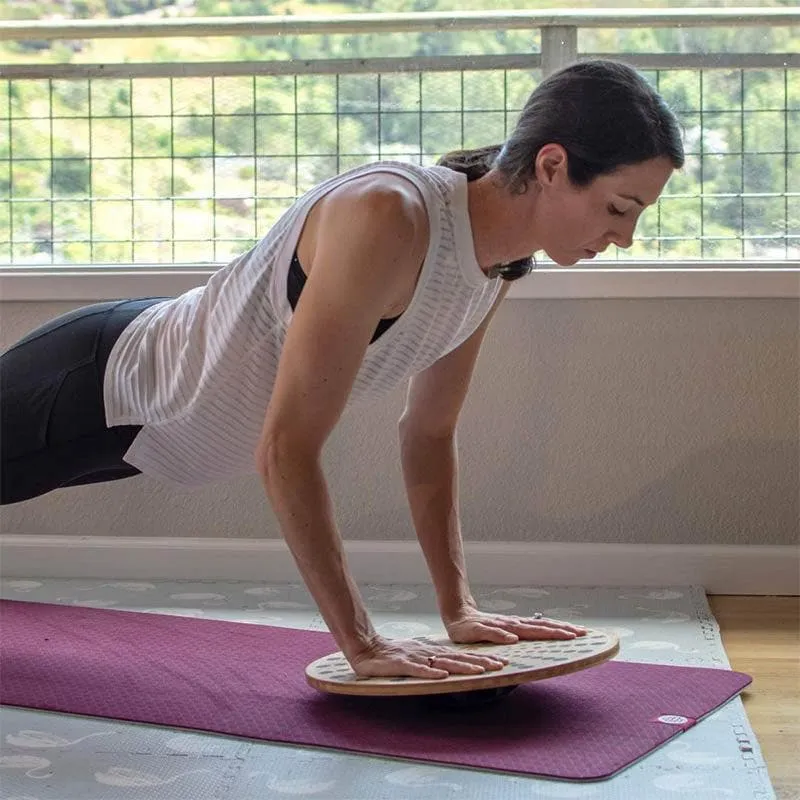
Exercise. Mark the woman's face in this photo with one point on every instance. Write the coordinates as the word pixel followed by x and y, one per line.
pixel 574 223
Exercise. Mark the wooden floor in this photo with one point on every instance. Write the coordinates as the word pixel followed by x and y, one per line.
pixel 762 638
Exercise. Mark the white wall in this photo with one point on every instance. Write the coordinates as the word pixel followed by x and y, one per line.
pixel 589 420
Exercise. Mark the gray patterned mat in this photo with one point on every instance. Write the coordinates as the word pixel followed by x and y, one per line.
pixel 46 756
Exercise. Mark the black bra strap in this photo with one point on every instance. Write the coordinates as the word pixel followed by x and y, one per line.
pixel 297 280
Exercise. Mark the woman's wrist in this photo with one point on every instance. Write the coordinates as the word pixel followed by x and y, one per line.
pixel 345 614
pixel 453 609
pixel 358 647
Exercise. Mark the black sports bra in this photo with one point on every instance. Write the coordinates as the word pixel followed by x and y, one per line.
pixel 297 280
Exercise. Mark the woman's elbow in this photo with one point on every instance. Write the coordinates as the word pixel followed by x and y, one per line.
pixel 280 452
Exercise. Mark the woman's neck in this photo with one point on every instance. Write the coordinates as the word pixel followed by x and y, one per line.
pixel 503 224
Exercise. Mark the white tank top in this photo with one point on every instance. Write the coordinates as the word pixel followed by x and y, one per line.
pixel 197 371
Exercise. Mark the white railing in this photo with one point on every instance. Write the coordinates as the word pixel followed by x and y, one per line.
pixel 419 22
pixel 558 29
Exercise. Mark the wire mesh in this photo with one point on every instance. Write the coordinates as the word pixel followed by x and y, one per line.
pixel 195 170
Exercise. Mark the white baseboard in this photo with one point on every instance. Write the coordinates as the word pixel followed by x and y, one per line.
pixel 720 569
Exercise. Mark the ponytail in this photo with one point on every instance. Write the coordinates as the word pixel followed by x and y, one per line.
pixel 475 164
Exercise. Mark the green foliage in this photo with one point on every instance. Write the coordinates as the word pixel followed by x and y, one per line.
pixel 123 8
pixel 146 167
pixel 71 177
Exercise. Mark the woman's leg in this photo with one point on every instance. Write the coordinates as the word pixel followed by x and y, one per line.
pixel 52 419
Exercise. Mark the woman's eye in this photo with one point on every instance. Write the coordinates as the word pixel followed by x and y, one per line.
pixel 615 211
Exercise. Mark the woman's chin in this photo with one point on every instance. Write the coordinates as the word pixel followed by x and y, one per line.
pixel 563 260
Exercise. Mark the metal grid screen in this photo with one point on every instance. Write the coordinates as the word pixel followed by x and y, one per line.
pixel 188 170
pixel 734 197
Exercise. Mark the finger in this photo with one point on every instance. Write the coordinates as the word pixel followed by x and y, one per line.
pixel 448 663
pixel 534 631
pixel 552 623
pixel 456 667
pixel 430 673
pixel 481 663
pixel 514 623
pixel 489 633
pixel 400 669
pixel 465 661
pixel 475 658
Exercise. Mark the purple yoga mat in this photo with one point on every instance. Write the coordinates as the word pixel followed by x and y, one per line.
pixel 248 680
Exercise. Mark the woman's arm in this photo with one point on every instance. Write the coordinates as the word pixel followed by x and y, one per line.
pixel 367 241
pixel 429 456
pixel 347 289
pixel 430 469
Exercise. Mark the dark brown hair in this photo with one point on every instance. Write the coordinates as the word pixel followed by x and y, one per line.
pixel 603 113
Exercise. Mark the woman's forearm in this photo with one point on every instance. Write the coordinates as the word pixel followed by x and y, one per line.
pixel 430 471
pixel 299 496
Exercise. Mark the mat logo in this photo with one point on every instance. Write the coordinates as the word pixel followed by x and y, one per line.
pixel 674 719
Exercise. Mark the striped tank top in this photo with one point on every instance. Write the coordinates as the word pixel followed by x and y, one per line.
pixel 196 371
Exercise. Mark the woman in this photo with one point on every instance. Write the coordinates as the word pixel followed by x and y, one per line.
pixel 387 273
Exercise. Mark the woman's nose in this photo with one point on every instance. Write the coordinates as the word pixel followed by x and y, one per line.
pixel 620 238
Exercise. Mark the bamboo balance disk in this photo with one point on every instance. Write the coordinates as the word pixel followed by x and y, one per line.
pixel 527 661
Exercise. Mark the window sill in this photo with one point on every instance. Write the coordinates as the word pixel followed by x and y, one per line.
pixel 622 279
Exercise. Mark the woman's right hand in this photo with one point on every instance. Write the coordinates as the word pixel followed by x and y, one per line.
pixel 385 658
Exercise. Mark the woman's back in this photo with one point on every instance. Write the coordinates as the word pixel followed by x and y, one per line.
pixel 197 371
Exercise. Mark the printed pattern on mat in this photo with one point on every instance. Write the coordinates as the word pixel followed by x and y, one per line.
pixel 46 756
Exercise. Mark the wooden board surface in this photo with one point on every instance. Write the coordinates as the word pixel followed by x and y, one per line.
pixel 528 661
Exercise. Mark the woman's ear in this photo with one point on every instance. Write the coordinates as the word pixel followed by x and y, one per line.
pixel 551 164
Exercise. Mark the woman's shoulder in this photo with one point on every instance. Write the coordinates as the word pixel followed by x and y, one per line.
pixel 384 192
pixel 394 196
pixel 429 180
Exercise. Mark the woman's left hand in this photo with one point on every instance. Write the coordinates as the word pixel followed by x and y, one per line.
pixel 471 625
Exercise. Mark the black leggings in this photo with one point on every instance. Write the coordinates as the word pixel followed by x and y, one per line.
pixel 53 430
